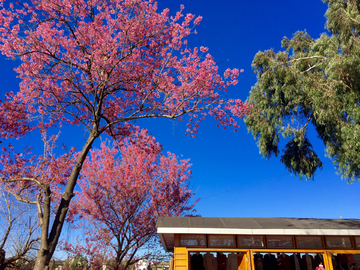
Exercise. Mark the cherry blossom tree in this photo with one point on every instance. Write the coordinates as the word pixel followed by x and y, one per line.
pixel 102 65
pixel 121 199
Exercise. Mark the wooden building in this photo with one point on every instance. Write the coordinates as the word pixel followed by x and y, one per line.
pixel 200 243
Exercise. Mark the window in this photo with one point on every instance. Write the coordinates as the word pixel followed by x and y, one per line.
pixel 280 241
pixel 309 242
pixel 345 259
pixel 338 242
pixel 251 241
pixel 221 240
pixel 192 240
pixel 357 241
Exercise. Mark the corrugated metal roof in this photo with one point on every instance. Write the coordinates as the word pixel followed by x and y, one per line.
pixel 257 223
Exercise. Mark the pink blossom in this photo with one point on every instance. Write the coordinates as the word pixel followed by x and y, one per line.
pixel 129 186
pixel 197 20
pixel 204 49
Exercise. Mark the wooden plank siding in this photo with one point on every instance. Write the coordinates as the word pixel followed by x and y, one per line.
pixel 181 260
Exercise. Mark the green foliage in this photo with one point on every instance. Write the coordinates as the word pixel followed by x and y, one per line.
pixel 314 81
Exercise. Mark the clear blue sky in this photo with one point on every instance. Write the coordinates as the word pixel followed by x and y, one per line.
pixel 234 31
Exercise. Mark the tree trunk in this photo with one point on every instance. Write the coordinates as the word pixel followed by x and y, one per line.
pixel 2 259
pixel 2 256
pixel 42 260
pixel 49 240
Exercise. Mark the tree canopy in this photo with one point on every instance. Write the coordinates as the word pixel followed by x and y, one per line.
pixel 100 65
pixel 312 82
pixel 120 200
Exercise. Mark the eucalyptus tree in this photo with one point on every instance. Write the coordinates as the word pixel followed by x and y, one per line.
pixel 311 82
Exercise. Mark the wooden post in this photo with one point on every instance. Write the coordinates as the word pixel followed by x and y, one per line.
pixel 181 258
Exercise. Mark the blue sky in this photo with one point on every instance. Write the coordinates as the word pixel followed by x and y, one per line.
pixel 227 162
pixel 235 31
